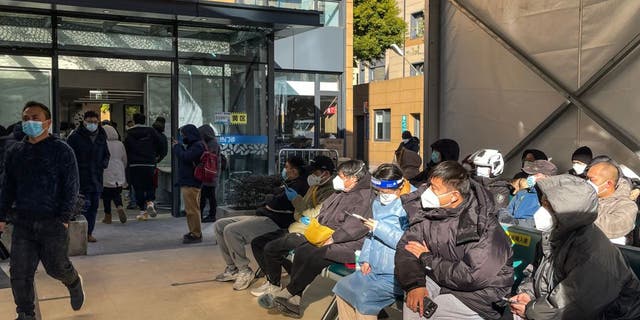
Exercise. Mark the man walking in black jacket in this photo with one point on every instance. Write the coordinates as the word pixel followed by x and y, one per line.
pixel 89 143
pixel 41 185
pixel 455 251
pixel 144 149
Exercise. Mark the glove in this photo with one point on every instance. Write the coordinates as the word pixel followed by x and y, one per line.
pixel 291 194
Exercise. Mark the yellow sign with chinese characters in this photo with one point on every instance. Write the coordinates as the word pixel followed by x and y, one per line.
pixel 519 238
pixel 238 118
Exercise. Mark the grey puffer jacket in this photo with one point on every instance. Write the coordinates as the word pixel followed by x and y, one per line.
pixel 470 254
pixel 582 275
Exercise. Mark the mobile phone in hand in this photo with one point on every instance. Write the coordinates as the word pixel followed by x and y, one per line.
pixel 429 306
pixel 357 216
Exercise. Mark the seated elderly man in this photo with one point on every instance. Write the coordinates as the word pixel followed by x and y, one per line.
pixel 616 212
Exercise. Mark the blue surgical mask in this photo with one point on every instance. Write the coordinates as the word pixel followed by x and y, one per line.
pixel 531 181
pixel 32 129
pixel 92 127
pixel 283 174
pixel 435 156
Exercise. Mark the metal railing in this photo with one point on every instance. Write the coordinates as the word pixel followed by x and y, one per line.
pixel 306 154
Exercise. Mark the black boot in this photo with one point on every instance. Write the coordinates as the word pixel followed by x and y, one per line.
pixel 76 292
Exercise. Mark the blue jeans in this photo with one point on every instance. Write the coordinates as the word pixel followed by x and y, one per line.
pixel 34 241
pixel 91 203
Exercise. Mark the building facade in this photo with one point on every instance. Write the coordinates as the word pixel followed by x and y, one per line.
pixel 388 98
pixel 255 70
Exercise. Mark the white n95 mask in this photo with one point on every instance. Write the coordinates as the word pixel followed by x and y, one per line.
pixel 543 220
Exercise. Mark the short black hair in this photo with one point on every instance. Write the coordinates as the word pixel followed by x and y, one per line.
pixel 35 104
pixel 388 171
pixel 139 118
pixel 298 163
pixel 353 168
pixel 161 120
pixel 91 114
pixel 453 175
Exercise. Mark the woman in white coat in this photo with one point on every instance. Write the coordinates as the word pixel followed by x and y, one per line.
pixel 114 176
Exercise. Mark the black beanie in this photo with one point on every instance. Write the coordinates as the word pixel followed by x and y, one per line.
pixel 582 154
pixel 406 135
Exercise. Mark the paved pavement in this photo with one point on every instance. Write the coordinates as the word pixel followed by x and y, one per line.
pixel 141 270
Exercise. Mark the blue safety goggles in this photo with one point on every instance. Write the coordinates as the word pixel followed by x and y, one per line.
pixel 387 184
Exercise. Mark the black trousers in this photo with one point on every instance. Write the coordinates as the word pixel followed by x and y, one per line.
pixel 271 250
pixel 208 194
pixel 308 262
pixel 142 181
pixel 45 241
pixel 109 195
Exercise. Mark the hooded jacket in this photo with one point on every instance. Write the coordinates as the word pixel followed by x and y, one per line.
pixel 379 247
pixel 582 274
pixel 209 137
pixel 617 213
pixel 41 180
pixel 470 255
pixel 349 232
pixel 449 150
pixel 144 146
pixel 114 174
pixel 92 155
pixel 499 189
pixel 188 156
pixel 409 161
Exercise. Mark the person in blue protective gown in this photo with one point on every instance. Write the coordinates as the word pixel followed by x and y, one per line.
pixel 364 293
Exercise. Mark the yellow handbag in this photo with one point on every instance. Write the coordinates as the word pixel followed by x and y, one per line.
pixel 316 233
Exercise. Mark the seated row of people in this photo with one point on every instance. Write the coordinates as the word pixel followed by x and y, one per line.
pixel 441 243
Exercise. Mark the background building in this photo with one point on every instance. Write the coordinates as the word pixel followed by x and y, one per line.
pixel 388 98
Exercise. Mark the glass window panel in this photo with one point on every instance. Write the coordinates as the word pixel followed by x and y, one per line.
pixel 329 117
pixel 158 97
pixel 232 99
pixel 25 30
pixel 209 42
pixel 295 110
pixel 417 25
pixel 111 64
pixel 115 36
pixel 382 119
pixel 331 13
pixel 22 79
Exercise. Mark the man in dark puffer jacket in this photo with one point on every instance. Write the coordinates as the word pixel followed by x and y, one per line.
pixel 41 180
pixel 455 251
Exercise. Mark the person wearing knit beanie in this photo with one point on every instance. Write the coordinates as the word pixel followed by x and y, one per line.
pixel 580 159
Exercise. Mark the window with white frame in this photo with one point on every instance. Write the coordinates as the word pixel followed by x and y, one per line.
pixel 382 125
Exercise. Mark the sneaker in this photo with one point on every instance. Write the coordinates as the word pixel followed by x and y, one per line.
pixel 244 279
pixel 92 239
pixel 151 208
pixel 122 215
pixel 264 288
pixel 76 292
pixel 191 238
pixel 230 274
pixel 143 216
pixel 289 307
pixel 266 301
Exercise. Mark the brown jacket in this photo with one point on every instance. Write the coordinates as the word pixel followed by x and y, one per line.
pixel 617 213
